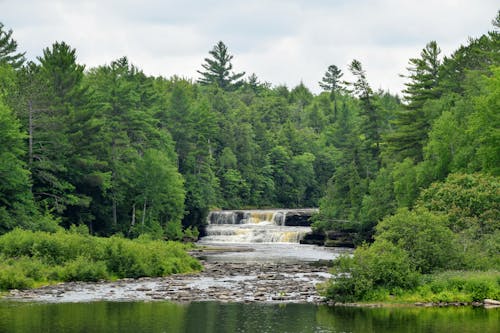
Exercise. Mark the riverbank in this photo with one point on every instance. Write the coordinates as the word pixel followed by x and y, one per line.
pixel 219 281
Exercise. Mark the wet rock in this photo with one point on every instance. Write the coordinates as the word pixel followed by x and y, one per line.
pixel 219 281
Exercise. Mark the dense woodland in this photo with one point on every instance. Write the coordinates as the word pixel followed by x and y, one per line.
pixel 122 152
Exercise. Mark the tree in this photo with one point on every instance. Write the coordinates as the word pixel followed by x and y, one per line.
pixel 8 48
pixel 472 204
pixel 371 125
pixel 218 69
pixel 472 201
pixel 496 21
pixel 193 125
pixel 378 203
pixel 413 124
pixel 16 201
pixel 51 92
pixel 160 192
pixel 63 74
pixel 119 136
pixel 483 125
pixel 331 83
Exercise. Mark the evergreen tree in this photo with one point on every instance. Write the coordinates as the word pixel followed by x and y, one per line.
pixel 217 70
pixel 119 131
pixel 331 83
pixel 16 201
pixel 413 123
pixel 8 49
pixel 50 94
pixel 372 122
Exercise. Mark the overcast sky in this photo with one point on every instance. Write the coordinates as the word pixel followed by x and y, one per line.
pixel 283 42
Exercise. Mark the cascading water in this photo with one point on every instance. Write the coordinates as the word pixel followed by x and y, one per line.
pixel 257 226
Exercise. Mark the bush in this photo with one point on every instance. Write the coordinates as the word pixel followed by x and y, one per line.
pixel 429 243
pixel 371 268
pixel 74 255
pixel 84 269
pixel 459 286
pixel 12 277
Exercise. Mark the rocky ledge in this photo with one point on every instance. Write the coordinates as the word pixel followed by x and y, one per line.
pixel 223 282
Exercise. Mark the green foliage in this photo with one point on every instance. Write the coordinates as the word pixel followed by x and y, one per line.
pixel 424 235
pixel 378 203
pixel 413 123
pixel 471 202
pixel 457 286
pixel 8 49
pixel 12 277
pixel 71 256
pixel 371 268
pixel 16 201
pixel 218 69
pixel 83 269
pixel 405 183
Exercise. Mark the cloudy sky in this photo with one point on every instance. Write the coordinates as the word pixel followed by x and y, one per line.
pixel 282 41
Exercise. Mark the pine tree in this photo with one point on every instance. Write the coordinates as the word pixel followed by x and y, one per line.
pixel 218 69
pixel 413 124
pixel 331 83
pixel 8 48
pixel 371 125
pixel 49 94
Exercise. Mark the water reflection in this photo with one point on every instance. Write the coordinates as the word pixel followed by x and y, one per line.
pixel 213 317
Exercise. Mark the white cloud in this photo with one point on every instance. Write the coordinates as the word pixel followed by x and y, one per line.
pixel 281 41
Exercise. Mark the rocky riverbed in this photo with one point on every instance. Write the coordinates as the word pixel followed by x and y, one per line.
pixel 219 281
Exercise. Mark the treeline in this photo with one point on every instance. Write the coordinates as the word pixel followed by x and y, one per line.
pixel 122 152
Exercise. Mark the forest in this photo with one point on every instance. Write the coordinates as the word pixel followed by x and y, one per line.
pixel 123 153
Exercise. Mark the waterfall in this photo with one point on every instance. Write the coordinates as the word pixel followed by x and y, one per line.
pixel 258 226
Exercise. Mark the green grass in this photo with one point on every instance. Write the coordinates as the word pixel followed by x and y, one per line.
pixel 456 286
pixel 444 287
pixel 29 259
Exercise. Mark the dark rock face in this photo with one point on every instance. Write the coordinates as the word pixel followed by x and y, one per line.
pixel 339 239
pixel 313 239
pixel 299 218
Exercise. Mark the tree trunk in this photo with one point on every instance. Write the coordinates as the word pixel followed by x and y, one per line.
pixel 144 212
pixel 133 215
pixel 30 134
pixel 132 223
pixel 115 218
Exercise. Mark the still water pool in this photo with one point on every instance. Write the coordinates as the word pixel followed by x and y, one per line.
pixel 238 317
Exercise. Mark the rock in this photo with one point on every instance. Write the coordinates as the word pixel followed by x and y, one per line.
pixel 488 301
pixel 491 303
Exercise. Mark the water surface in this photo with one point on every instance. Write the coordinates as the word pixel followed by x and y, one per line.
pixel 238 317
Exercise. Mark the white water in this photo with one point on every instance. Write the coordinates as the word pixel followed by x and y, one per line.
pixel 255 226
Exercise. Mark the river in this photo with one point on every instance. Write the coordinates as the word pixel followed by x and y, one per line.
pixel 217 317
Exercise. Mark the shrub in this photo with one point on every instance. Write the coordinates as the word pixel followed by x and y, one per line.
pixel 379 266
pixel 459 286
pixel 424 236
pixel 74 255
pixel 84 269
pixel 12 277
